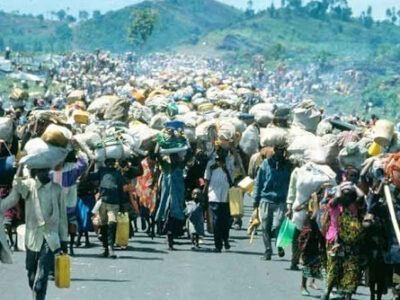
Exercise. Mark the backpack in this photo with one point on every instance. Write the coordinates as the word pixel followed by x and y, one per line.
pixel 392 168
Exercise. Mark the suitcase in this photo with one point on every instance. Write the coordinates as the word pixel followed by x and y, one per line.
pixel 236 202
pixel 122 234
pixel 62 274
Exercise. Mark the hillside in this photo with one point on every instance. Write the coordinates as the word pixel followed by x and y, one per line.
pixel 303 39
pixel 178 21
pixel 26 33
pixel 210 27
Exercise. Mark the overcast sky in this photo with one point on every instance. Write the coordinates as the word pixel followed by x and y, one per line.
pixel 43 6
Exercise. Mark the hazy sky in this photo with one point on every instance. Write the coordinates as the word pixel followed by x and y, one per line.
pixel 43 6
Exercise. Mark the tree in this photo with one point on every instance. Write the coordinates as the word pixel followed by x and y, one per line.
pixel 272 10
pixel 294 4
pixel 2 44
pixel 341 10
pixel 40 17
pixel 83 15
pixel 249 10
pixel 367 20
pixel 142 26
pixel 389 14
pixel 394 16
pixel 369 11
pixel 316 9
pixel 61 14
pixel 70 19
pixel 96 14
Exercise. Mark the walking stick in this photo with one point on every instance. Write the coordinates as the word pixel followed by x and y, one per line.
pixel 389 201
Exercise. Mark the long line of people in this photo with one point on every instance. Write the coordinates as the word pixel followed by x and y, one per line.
pixel 137 151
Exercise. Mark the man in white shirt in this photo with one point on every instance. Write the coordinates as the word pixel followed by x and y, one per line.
pixel 46 225
pixel 218 181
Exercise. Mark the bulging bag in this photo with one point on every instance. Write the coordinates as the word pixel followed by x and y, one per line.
pixel 57 135
pixel 250 140
pixel 286 233
pixel 41 155
pixel 273 136
pixel 6 129
pixel 112 149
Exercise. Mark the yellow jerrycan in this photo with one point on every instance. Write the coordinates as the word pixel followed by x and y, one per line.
pixel 236 202
pixel 62 274
pixel 122 234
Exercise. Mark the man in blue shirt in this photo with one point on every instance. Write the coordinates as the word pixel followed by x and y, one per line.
pixel 270 192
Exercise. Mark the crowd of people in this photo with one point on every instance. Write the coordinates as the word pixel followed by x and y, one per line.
pixel 165 139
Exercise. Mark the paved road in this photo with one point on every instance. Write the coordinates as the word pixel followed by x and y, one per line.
pixel 147 270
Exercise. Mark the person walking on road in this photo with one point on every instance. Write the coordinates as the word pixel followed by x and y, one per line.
pixel 111 191
pixel 270 192
pixel 46 225
pixel 218 178
pixel 67 176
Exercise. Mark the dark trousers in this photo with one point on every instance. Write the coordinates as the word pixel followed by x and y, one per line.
pixel 295 248
pixel 221 222
pixel 38 265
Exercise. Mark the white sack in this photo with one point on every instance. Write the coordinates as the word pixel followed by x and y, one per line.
pixel 6 129
pixel 309 179
pixel 272 136
pixel 250 140
pixel 41 155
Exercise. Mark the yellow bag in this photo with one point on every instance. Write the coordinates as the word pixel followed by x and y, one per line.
pixel 122 234
pixel 246 184
pixel 81 117
pixel 205 107
pixel 236 202
pixel 62 273
pixel 18 95
pixel 139 97
pixel 57 135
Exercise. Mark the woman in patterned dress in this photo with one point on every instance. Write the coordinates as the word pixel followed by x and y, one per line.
pixel 146 189
pixel 343 242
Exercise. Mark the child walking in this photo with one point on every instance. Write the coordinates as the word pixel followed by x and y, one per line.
pixel 194 211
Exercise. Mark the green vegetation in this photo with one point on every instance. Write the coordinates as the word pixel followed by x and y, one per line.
pixel 178 22
pixel 142 26
pixel 26 33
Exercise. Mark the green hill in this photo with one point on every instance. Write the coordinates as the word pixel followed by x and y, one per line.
pixel 304 39
pixel 26 33
pixel 178 22
pixel 208 27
